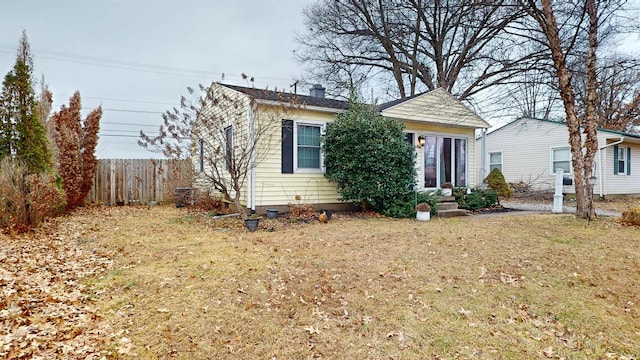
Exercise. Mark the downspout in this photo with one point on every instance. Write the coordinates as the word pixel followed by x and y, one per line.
pixel 249 173
pixel 483 162
pixel 600 173
pixel 252 160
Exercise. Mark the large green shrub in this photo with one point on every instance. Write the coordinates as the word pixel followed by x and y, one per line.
pixel 476 199
pixel 495 180
pixel 368 157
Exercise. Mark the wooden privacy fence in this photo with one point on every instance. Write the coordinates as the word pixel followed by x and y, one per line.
pixel 139 181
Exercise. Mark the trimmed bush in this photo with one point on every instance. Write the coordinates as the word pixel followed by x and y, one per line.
pixel 496 181
pixel 404 206
pixel 477 199
pixel 631 216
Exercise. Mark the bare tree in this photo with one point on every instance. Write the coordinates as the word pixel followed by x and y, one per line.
pixel 618 102
pixel 564 27
pixel 227 132
pixel 462 46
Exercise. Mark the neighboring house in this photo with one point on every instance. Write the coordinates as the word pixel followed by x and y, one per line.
pixel 441 128
pixel 530 150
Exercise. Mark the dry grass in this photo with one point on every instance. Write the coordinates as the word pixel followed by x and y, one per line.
pixel 543 286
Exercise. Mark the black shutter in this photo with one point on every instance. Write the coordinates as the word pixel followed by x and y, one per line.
pixel 615 159
pixel 629 161
pixel 287 146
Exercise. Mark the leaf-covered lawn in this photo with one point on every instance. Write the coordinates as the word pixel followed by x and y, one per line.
pixel 182 285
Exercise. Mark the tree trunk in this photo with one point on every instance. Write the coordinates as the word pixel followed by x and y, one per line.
pixel 582 163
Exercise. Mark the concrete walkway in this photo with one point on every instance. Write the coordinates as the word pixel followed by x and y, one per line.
pixel 543 208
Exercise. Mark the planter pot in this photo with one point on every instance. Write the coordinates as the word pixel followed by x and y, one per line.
pixel 251 224
pixel 423 215
pixel 120 203
pixel 447 192
pixel 272 213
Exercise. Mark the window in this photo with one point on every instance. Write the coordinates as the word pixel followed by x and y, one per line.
pixel 308 154
pixel 621 160
pixel 228 148
pixel 560 159
pixel 408 137
pixel 201 155
pixel 301 150
pixel 444 160
pixel 495 161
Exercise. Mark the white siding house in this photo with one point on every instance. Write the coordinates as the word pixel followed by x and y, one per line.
pixel 530 150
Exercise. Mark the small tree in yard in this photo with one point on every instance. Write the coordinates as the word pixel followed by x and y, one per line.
pixel 228 132
pixel 22 134
pixel 367 155
pixel 75 149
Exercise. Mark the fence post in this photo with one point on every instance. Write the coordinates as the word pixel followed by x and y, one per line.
pixel 112 182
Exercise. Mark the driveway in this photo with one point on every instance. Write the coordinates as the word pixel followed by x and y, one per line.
pixel 546 207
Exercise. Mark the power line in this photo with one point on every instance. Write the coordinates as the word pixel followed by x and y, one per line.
pixel 128 100
pixel 121 64
pixel 126 124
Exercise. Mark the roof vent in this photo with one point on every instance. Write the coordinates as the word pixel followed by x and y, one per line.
pixel 317 91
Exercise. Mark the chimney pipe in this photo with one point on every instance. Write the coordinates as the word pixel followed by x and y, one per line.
pixel 317 91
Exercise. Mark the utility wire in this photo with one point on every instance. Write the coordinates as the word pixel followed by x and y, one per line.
pixel 121 64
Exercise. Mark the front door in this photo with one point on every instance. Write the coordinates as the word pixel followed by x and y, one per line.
pixel 445 160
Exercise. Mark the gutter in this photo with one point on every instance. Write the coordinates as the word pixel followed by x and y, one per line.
pixel 601 182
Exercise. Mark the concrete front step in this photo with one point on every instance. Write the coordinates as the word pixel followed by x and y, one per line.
pixel 452 213
pixel 447 206
pixel 447 199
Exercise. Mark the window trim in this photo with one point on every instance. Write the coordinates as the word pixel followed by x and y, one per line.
pixel 296 169
pixel 552 171
pixel 622 160
pixel 201 155
pixel 227 147
pixel 501 160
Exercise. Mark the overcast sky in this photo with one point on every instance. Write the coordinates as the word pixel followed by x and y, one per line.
pixel 140 55
pixel 136 57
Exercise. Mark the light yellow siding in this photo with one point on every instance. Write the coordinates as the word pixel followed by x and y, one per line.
pixel 437 107
pixel 234 109
pixel 275 188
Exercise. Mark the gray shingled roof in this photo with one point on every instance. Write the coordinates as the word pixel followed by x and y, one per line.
pixel 398 101
pixel 271 95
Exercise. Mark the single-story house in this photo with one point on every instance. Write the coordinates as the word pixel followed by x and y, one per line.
pixel 530 150
pixel 440 127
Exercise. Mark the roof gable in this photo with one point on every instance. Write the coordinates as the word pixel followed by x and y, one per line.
pixel 437 106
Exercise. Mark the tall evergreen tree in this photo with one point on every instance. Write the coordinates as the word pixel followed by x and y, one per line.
pixel 22 134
